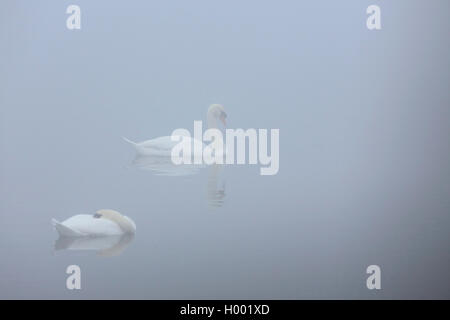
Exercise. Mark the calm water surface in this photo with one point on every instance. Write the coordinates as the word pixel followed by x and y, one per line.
pixel 364 153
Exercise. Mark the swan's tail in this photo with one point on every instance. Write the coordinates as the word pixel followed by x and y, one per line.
pixel 54 222
pixel 129 141
pixel 63 230
pixel 139 149
pixel 134 144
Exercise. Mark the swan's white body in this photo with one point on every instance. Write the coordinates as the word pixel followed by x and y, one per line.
pixel 162 146
pixel 104 223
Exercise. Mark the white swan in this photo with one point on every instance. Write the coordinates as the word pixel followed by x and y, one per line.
pixel 104 222
pixel 162 146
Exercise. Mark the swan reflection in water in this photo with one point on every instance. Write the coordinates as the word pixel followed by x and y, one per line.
pixel 216 186
pixel 163 166
pixel 106 246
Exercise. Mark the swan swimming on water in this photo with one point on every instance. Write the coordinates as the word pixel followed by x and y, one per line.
pixel 104 222
pixel 155 156
pixel 162 146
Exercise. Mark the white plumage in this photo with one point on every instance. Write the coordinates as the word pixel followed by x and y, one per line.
pixel 104 222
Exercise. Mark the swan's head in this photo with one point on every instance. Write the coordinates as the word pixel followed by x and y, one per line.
pixel 217 111
pixel 125 223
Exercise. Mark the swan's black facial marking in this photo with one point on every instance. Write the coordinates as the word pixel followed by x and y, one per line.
pixel 97 216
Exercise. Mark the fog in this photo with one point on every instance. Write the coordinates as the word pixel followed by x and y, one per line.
pixel 364 174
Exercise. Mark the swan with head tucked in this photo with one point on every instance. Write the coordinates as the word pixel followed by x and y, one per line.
pixel 104 222
pixel 162 146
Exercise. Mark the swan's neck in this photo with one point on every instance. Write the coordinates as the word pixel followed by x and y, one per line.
pixel 212 121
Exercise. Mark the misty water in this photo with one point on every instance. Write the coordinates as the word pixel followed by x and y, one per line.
pixel 364 172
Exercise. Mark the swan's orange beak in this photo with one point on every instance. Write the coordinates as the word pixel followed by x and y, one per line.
pixel 223 118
